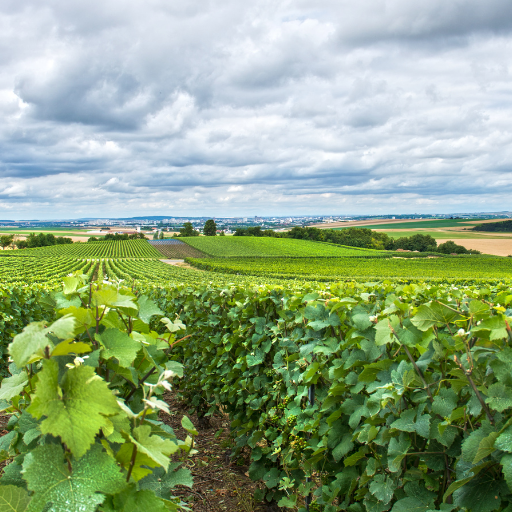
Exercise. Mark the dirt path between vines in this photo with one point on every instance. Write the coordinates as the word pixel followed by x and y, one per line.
pixel 220 482
pixel 182 264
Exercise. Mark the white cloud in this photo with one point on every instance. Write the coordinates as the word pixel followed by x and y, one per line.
pixel 119 108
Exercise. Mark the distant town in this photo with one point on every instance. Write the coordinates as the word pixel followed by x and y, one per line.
pixel 229 224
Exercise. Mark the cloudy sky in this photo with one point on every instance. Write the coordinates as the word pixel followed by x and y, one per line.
pixel 268 107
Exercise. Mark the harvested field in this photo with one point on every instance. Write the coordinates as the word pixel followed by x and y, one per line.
pixel 496 247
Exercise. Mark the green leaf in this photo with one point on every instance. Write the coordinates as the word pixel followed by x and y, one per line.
pixel 409 505
pixel 471 444
pixel 70 347
pixel 139 501
pixel 436 314
pixel 504 441
pixel 481 495
pixel 119 345
pixel 397 450
pixel 383 488
pixel 76 410
pixel 156 448
pixel 486 447
pixel 147 308
pixel 32 340
pixel 288 501
pixel 445 402
pixel 188 426
pixel 506 463
pixel 177 325
pixel 70 284
pixel 384 330
pixel 141 464
pixel 82 490
pixel 13 499
pixel 162 483
pixel 13 386
pixel 499 396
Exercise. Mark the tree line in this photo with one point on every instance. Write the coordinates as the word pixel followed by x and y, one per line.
pixel 364 238
pixel 117 237
pixel 33 240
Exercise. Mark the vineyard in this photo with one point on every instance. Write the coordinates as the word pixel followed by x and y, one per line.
pixel 103 249
pixel 176 249
pixel 228 247
pixel 328 269
pixel 354 380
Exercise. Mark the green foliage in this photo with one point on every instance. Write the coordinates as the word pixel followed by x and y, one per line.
pixel 84 398
pixel 188 230
pixel 108 248
pixel 246 246
pixel 450 247
pixel 412 381
pixel 418 242
pixel 210 228
pixel 6 241
pixel 367 267
pixel 498 227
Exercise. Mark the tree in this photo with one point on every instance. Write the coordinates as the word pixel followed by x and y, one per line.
pixel 188 230
pixel 6 241
pixel 450 247
pixel 155 235
pixel 210 228
pixel 161 235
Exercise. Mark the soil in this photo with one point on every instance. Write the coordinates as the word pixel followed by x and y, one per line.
pixel 496 247
pixel 220 481
pixel 182 264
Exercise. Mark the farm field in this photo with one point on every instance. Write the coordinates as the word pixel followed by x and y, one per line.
pixel 245 246
pixel 332 269
pixel 441 234
pixel 108 249
pixel 260 332
pixel 422 224
pixel 172 248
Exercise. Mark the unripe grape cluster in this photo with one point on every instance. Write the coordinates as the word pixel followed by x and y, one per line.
pixel 298 443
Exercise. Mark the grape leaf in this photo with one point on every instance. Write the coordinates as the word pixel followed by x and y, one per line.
pixel 139 471
pixel 141 501
pixel 48 476
pixel 33 338
pixel 147 308
pixel 155 447
pixel 69 347
pixel 119 345
pixel 383 488
pixel 13 386
pixel 76 410
pixel 13 499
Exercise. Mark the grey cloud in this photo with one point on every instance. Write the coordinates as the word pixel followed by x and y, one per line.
pixel 225 107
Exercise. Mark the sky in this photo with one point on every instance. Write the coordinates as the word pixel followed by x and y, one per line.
pixel 228 108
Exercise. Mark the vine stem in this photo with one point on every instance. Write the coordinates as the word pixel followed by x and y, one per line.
pixel 477 393
pixel 416 367
pixel 132 462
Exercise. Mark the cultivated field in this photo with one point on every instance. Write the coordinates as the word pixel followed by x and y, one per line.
pixel 385 375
